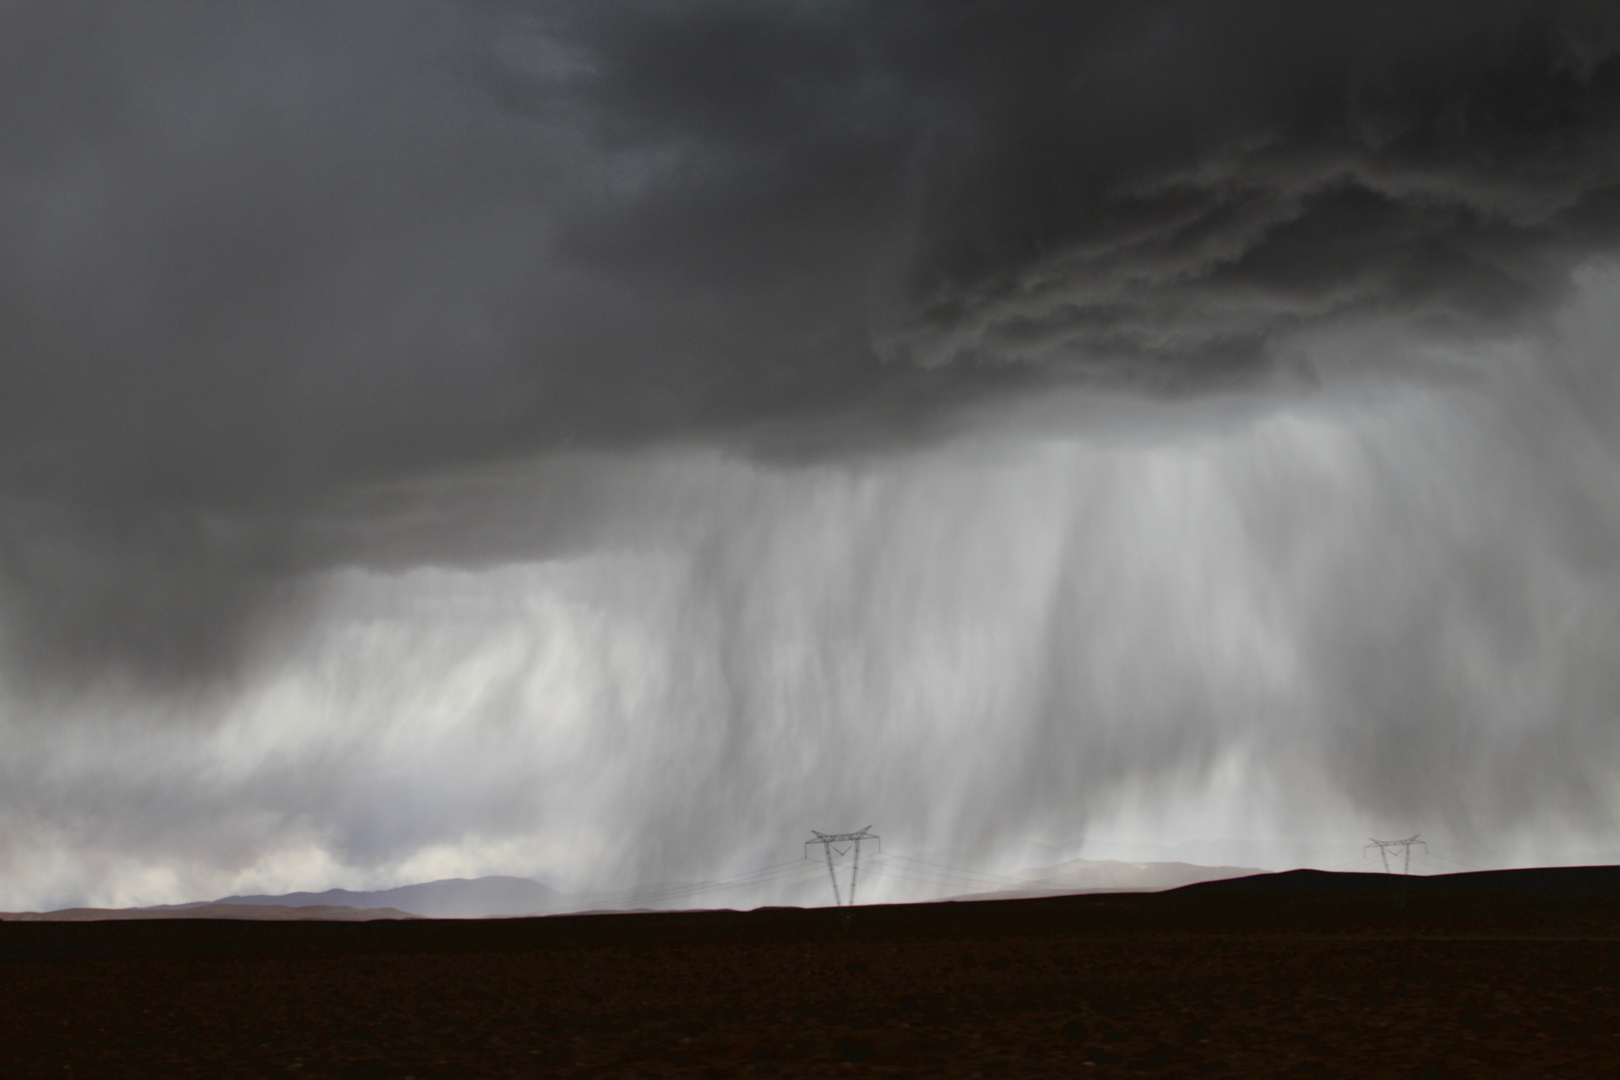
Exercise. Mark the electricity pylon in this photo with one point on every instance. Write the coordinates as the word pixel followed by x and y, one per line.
pixel 1406 849
pixel 1406 866
pixel 829 843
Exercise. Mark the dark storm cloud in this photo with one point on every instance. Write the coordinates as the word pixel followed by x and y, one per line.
pixel 254 254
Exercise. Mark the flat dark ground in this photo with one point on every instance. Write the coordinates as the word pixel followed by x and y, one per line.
pixel 1297 975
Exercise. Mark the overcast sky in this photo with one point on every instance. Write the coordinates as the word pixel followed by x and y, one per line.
pixel 603 441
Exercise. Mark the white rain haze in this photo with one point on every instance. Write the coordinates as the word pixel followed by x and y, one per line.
pixel 1304 615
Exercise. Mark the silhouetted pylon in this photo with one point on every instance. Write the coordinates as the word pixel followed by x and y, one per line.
pixel 1406 851
pixel 829 844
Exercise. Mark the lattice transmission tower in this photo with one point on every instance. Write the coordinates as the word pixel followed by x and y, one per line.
pixel 1384 847
pixel 852 843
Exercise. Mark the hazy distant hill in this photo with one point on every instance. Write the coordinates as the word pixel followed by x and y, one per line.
pixel 455 898
pixel 1144 876
pixel 257 912
pixel 1108 875
pixel 494 897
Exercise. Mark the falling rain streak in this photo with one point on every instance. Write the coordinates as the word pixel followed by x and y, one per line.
pixel 1297 619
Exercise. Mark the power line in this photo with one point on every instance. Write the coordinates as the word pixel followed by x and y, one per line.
pixel 998 879
pixel 683 890
pixel 759 876
pixel 926 877
pixel 674 889
pixel 917 871
pixel 938 881
pixel 887 864
pixel 906 868
pixel 1362 861
pixel 1453 862
pixel 965 878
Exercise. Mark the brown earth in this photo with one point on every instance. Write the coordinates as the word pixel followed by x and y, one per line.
pixel 1312 975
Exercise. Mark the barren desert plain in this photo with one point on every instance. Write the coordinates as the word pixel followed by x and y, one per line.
pixel 1305 974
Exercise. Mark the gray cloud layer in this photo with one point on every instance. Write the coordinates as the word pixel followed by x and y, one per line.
pixel 254 255
pixel 255 252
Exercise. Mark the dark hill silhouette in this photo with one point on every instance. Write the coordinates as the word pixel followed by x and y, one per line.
pixel 1500 974
pixel 1565 883
pixel 1537 901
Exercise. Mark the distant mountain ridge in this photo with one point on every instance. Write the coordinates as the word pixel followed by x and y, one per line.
pixel 452 898
pixel 513 897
